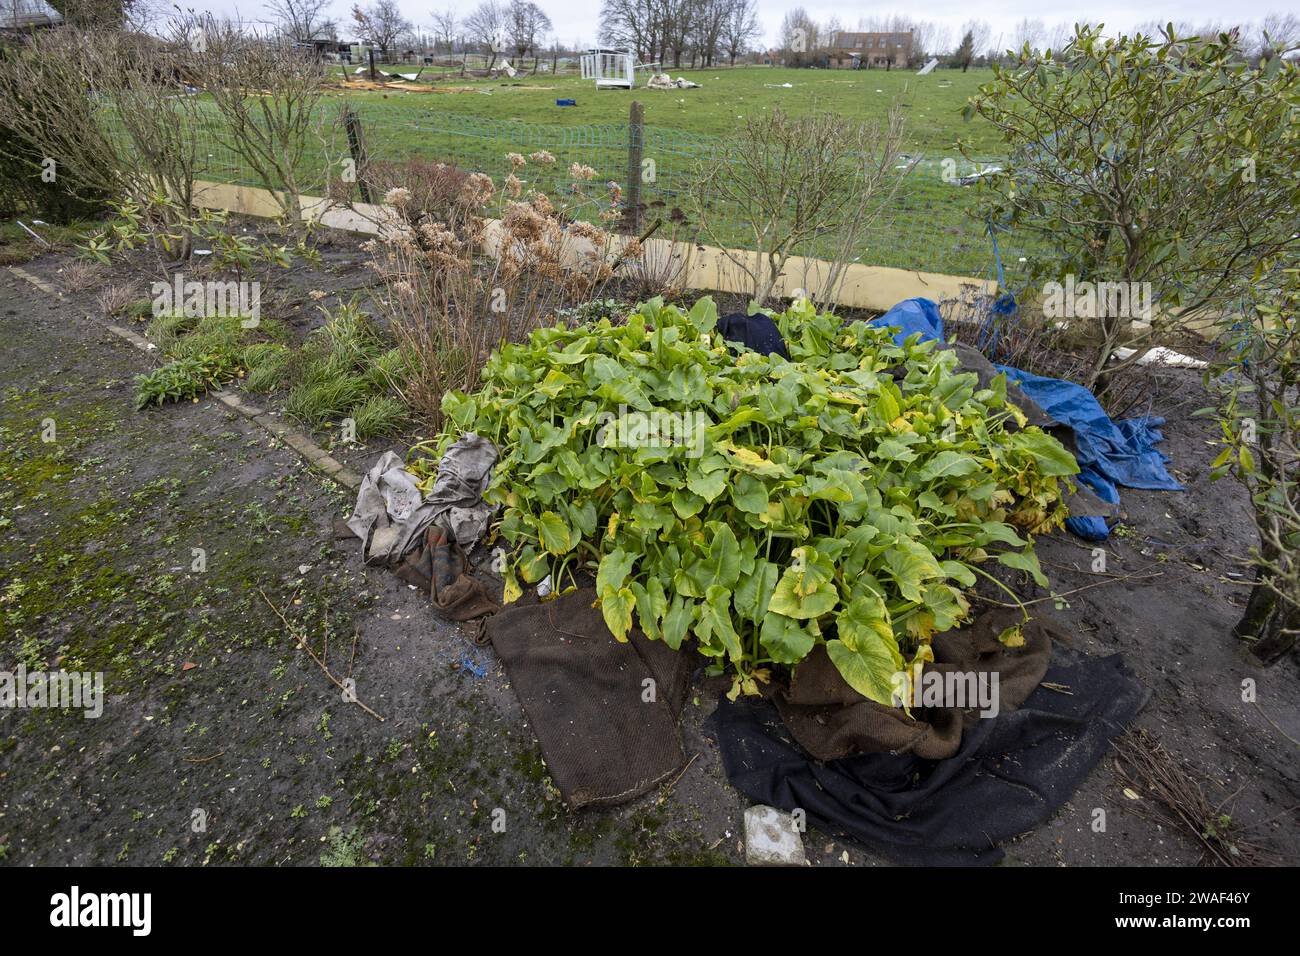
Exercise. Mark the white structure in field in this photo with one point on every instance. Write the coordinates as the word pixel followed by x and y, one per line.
pixel 611 69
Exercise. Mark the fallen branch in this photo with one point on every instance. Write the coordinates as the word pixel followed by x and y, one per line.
pixel 1176 794
pixel 1134 575
pixel 301 638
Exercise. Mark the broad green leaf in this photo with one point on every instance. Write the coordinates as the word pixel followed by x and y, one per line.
pixel 555 533
pixel 786 640
pixel 863 621
pixel 616 607
pixel 1025 560
pixel 749 494
pixel 723 564
pixel 715 619
pixel 755 591
pixel 948 464
pixel 614 569
pixel 870 671
pixel 804 594
pixel 1048 453
pixel 677 622
pixel 707 486
pixel 911 564
pixel 651 606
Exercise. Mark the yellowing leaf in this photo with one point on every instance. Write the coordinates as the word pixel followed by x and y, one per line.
pixel 1013 636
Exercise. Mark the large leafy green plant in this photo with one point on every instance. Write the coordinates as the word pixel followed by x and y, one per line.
pixel 848 496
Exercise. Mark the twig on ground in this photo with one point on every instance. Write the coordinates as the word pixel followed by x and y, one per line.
pixel 1132 576
pixel 1175 794
pixel 219 753
pixel 1275 726
pixel 668 787
pixel 301 639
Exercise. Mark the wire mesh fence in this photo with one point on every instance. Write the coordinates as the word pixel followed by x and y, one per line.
pixel 930 224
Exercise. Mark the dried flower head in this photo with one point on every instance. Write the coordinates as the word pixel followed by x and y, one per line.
pixel 397 196
pixel 477 191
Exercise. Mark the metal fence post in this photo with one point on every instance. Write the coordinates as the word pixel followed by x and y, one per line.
pixel 635 145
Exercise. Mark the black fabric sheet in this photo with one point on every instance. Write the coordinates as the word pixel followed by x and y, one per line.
pixel 1012 772
pixel 758 333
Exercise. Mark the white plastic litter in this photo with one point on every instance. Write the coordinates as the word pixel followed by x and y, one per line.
pixel 1163 356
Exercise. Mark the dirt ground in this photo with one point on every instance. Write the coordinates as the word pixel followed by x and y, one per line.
pixel 213 714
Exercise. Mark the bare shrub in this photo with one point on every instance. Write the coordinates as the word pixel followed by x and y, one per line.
pixel 267 92
pixel 114 300
pixel 109 111
pixel 793 181
pixel 497 266
pixel 434 188
pixel 1026 339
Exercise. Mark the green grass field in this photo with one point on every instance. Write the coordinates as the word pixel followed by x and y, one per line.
pixel 928 227
pixel 933 103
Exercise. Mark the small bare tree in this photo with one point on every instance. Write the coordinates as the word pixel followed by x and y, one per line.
pixel 796 182
pixel 302 21
pixel 445 23
pixel 381 23
pixel 267 92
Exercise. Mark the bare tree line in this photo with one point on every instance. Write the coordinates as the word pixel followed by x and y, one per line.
pixel 677 32
pixel 976 42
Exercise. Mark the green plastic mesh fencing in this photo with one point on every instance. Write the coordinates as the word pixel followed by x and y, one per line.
pixel 928 226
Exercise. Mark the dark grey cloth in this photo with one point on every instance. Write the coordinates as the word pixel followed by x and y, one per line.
pixel 391 514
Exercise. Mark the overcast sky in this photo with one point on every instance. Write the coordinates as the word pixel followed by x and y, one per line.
pixel 576 20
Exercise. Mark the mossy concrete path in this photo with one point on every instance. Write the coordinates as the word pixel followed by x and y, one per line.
pixel 139 545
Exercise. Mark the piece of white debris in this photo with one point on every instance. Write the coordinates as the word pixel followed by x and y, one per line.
pixel 304 568
pixel 1162 356
pixel 771 838
pixel 544 587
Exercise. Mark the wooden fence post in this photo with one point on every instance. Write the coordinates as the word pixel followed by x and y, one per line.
pixel 358 147
pixel 635 147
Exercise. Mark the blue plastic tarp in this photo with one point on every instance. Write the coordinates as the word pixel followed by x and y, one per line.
pixel 911 316
pixel 1109 453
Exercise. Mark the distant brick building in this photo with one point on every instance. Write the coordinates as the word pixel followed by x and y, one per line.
pixel 850 51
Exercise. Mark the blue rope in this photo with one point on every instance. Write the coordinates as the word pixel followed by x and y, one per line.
pixel 1003 307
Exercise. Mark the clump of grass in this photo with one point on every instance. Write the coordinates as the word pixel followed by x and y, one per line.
pixel 207 352
pixel 216 335
pixel 378 415
pixel 267 366
pixel 115 300
pixel 165 328
pixel 325 395
pixel 346 370
pixel 139 310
